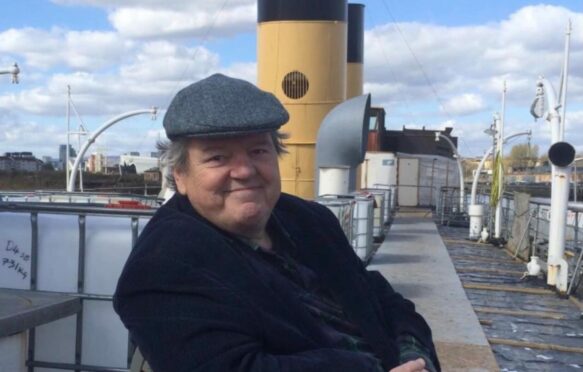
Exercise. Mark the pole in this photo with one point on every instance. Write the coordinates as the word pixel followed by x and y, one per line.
pixel 68 134
pixel 575 181
pixel 91 139
pixel 14 71
pixel 500 153
pixel 459 167
pixel 565 74
pixel 557 267
pixel 81 163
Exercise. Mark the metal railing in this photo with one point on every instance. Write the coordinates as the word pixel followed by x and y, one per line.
pixel 536 235
pixel 448 209
pixel 77 197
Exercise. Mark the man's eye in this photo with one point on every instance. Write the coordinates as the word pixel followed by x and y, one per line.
pixel 215 158
pixel 260 151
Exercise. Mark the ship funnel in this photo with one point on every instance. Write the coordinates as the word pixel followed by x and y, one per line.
pixel 355 50
pixel 561 154
pixel 341 145
pixel 301 59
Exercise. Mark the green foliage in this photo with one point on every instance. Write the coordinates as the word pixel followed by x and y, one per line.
pixel 523 156
pixel 496 192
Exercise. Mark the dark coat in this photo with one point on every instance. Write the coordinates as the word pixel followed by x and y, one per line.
pixel 193 302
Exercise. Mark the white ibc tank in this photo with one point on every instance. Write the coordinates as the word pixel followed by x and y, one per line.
pixel 106 245
pixel 343 210
pixel 363 226
pixel 378 212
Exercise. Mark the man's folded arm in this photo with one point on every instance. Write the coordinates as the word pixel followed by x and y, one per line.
pixel 413 333
pixel 195 323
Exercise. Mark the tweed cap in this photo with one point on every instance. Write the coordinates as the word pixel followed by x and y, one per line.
pixel 221 106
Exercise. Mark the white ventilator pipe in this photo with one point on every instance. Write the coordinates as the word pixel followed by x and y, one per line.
pixel 459 166
pixel 557 266
pixel 558 216
pixel 545 106
pixel 333 181
pixel 91 139
pixel 476 211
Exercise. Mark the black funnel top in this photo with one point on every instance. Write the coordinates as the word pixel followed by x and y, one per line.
pixel 355 33
pixel 301 10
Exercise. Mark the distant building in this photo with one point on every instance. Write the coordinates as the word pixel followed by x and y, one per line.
pixel 418 141
pixel 137 164
pixel 5 163
pixel 96 163
pixel 152 176
pixel 63 154
pixel 20 162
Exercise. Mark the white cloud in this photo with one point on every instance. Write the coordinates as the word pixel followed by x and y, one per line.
pixel 158 70
pixel 457 72
pixel 177 18
pixel 245 71
pixel 151 54
pixel 58 48
pixel 467 58
pixel 464 104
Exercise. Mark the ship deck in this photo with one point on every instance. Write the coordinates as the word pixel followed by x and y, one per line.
pixel 484 315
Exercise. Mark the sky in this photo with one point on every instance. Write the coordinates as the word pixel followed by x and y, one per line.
pixel 429 63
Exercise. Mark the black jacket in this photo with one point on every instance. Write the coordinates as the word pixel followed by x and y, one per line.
pixel 193 302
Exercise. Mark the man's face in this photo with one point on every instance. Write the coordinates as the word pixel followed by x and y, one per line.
pixel 232 182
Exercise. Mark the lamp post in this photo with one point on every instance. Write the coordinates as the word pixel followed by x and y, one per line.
pixel 14 71
pixel 91 139
pixel 459 166
pixel 561 155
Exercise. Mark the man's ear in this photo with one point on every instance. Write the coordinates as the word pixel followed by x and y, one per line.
pixel 180 180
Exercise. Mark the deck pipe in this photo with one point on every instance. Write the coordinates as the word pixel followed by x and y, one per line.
pixel 341 145
pixel 561 155
pixel 459 166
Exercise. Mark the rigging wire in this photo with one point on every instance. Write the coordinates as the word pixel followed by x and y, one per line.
pixel 204 41
pixel 408 113
pixel 186 70
pixel 420 67
pixel 417 62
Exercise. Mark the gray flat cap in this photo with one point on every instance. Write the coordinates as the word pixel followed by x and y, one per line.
pixel 222 106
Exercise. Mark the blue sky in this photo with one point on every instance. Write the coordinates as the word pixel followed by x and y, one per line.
pixel 429 63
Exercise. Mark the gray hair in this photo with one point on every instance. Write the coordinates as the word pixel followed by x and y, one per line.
pixel 174 154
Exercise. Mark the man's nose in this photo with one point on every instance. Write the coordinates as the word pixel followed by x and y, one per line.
pixel 242 166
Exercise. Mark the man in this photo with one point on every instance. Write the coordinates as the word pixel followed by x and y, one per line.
pixel 233 275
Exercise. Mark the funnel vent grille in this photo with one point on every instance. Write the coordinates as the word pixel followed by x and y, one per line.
pixel 295 85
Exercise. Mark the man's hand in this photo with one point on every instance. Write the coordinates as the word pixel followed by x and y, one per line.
pixel 417 365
